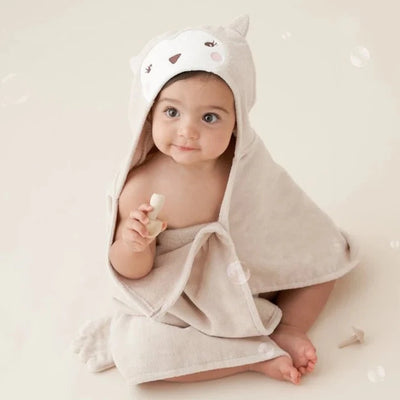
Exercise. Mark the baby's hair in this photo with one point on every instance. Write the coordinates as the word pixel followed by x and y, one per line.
pixel 185 75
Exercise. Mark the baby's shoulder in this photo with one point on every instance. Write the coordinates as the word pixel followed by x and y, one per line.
pixel 138 187
pixel 145 174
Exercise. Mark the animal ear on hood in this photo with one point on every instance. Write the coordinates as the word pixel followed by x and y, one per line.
pixel 240 24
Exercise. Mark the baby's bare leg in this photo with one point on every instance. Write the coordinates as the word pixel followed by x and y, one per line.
pixel 212 374
pixel 280 368
pixel 300 308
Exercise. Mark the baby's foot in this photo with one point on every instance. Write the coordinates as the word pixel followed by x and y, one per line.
pixel 298 345
pixel 280 368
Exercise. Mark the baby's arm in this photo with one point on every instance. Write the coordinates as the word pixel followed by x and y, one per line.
pixel 133 260
pixel 127 262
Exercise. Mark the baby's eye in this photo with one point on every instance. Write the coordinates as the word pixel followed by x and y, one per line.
pixel 210 117
pixel 171 112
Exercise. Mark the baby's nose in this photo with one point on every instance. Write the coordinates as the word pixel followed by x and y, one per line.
pixel 189 129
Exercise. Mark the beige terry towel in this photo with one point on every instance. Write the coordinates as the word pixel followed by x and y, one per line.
pixel 198 309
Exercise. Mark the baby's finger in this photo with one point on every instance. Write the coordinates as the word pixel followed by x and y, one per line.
pixel 140 216
pixel 130 236
pixel 145 207
pixel 137 226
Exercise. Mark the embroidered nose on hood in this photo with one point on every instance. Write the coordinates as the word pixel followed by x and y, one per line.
pixel 174 58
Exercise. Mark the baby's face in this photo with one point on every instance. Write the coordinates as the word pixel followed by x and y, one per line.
pixel 196 113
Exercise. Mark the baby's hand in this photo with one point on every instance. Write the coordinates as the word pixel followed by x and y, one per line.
pixel 134 232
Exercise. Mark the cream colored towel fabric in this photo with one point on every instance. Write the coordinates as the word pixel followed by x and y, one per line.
pixel 198 309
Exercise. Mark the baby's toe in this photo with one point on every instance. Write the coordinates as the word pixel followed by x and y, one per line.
pixel 292 375
pixel 303 357
pixel 307 360
pixel 311 354
pixel 310 366
pixel 295 375
pixel 302 370
pixel 288 371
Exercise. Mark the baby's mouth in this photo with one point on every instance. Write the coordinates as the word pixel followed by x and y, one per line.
pixel 184 148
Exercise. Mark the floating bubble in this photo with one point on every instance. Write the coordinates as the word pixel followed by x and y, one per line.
pixel 267 350
pixel 395 244
pixel 12 90
pixel 376 374
pixel 286 35
pixel 337 245
pixel 237 273
pixel 359 56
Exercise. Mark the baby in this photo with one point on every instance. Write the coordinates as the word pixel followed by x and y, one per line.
pixel 192 124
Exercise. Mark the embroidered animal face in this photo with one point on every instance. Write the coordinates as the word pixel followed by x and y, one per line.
pixel 190 50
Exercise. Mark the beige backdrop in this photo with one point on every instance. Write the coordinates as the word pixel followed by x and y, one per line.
pixel 328 108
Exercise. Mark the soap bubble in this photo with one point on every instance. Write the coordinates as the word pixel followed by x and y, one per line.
pixel 337 245
pixel 237 273
pixel 266 349
pixel 12 90
pixel 359 56
pixel 376 374
pixel 286 35
pixel 395 244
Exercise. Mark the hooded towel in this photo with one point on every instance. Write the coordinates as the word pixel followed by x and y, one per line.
pixel 199 307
